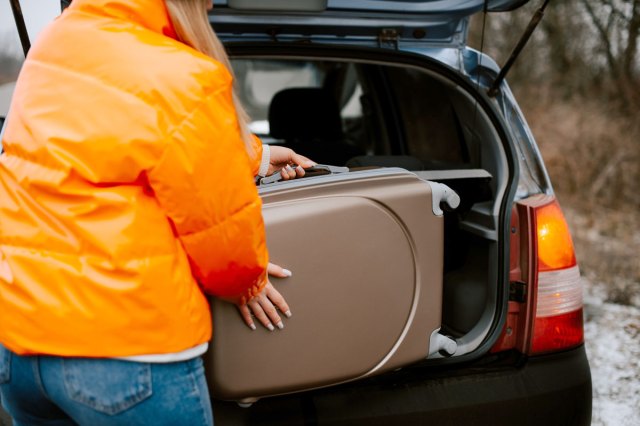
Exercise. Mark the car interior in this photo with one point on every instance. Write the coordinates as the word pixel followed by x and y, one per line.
pixel 368 114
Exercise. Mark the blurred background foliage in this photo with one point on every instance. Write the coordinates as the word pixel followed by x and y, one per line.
pixel 578 83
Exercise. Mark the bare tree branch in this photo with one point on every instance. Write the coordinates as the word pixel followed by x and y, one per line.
pixel 632 41
pixel 621 60
pixel 604 36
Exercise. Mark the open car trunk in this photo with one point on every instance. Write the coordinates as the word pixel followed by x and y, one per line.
pixel 385 274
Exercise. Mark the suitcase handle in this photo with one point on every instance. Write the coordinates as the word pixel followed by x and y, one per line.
pixel 318 169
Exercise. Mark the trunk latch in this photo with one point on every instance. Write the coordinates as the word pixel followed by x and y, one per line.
pixel 388 38
pixel 518 291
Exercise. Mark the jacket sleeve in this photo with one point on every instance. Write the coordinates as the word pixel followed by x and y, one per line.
pixel 204 183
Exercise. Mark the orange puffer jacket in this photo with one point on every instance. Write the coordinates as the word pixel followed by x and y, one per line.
pixel 124 184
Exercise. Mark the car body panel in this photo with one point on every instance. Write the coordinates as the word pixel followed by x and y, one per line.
pixel 407 7
pixel 504 390
pixel 361 21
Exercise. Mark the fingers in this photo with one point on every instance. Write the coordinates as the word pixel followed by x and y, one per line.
pixel 246 316
pixel 288 172
pixel 301 160
pixel 276 299
pixel 278 271
pixel 265 313
pixel 290 163
pixel 279 155
pixel 264 308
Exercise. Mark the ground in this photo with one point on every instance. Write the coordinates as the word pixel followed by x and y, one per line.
pixel 612 334
pixel 607 251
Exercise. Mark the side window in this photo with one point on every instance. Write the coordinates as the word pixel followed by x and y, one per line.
pixel 257 81
pixel 533 178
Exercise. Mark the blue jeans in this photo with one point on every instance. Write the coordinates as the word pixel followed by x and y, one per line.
pixel 49 390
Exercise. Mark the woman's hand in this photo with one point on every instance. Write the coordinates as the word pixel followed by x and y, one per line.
pixel 264 304
pixel 283 158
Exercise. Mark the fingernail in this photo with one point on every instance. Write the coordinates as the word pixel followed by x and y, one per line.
pixel 270 327
pixel 280 325
pixel 287 272
pixel 252 326
pixel 288 314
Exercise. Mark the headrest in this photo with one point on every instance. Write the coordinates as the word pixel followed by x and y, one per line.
pixel 304 114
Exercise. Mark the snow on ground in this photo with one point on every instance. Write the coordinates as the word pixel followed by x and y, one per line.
pixel 612 335
pixel 607 252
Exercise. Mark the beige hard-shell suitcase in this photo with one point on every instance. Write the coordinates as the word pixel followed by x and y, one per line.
pixel 366 251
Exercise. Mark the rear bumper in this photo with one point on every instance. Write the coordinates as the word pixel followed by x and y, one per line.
pixel 548 390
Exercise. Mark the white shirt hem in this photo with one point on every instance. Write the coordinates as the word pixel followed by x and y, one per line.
pixel 187 354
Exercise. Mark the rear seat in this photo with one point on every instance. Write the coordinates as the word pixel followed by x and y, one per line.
pixel 308 120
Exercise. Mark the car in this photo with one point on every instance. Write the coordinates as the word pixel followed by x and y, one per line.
pixel 391 90
pixel 434 276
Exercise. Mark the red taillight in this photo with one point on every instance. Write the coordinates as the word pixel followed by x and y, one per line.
pixel 555 249
pixel 558 323
pixel 545 307
pixel 558 332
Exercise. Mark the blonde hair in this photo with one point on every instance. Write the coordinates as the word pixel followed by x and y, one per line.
pixel 190 21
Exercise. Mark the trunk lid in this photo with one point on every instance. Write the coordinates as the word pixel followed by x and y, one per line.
pixel 352 21
pixel 382 7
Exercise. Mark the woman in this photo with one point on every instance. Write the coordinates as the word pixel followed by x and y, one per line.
pixel 126 191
